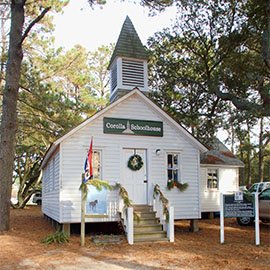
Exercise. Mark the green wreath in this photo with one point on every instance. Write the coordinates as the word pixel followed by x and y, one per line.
pixel 135 162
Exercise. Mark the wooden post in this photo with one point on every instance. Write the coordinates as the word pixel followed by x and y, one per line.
pixel 211 215
pixel 66 229
pixel 194 225
pixel 82 216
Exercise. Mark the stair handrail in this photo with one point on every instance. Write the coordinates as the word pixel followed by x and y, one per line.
pixel 126 209
pixel 164 211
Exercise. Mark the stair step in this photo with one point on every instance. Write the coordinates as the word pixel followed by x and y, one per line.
pixel 165 239
pixel 145 221
pixel 147 228
pixel 143 208
pixel 150 234
pixel 146 214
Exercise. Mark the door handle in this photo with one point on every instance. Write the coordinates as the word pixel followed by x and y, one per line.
pixel 145 181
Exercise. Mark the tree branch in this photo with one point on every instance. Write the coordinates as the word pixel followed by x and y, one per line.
pixel 36 20
pixel 243 104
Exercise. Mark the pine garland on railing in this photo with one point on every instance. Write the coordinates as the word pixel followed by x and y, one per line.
pixel 165 202
pixel 99 184
pixel 123 194
pixel 127 202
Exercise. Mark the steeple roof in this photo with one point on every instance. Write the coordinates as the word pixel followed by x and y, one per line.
pixel 129 44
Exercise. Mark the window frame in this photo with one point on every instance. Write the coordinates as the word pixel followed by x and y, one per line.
pixel 178 168
pixel 100 163
pixel 207 178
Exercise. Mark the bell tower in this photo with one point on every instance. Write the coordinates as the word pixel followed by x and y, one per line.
pixel 128 64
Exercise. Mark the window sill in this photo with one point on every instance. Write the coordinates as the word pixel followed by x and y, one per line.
pixel 212 189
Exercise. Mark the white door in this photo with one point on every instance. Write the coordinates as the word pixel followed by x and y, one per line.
pixel 135 182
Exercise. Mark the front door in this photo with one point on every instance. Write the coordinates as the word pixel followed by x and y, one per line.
pixel 135 182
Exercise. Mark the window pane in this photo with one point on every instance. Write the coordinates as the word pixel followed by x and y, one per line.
pixel 170 175
pixel 175 160
pixel 96 164
pixel 175 175
pixel 170 161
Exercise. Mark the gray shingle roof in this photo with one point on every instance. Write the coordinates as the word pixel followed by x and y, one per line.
pixel 219 154
pixel 129 44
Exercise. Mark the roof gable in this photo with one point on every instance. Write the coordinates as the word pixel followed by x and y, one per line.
pixel 135 91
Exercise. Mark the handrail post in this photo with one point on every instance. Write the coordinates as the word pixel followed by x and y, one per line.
pixel 170 227
pixel 130 226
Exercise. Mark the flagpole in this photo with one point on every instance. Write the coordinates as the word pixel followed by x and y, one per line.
pixel 82 215
pixel 87 175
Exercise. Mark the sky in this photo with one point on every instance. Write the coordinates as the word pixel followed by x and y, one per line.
pixel 93 27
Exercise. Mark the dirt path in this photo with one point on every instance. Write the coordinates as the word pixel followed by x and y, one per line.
pixel 21 248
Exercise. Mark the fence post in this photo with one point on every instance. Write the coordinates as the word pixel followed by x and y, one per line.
pixel 82 219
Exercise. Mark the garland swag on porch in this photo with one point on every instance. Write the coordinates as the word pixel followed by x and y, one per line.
pixel 97 183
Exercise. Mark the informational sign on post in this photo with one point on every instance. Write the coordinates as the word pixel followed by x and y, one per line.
pixel 239 205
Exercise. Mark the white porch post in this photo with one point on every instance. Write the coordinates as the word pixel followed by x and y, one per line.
pixel 170 227
pixel 130 226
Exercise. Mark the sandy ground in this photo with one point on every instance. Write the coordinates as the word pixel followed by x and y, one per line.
pixel 21 248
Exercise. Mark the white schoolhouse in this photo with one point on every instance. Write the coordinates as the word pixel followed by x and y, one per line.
pixel 132 125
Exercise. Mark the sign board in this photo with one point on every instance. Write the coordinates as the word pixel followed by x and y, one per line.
pixel 96 202
pixel 238 205
pixel 132 127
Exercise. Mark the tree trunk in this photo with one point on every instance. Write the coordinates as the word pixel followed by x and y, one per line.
pixel 9 115
pixel 4 19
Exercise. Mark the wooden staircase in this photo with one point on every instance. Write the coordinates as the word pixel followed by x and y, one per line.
pixel 146 226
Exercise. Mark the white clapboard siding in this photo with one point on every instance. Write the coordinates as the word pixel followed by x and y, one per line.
pixel 228 182
pixel 51 188
pixel 73 151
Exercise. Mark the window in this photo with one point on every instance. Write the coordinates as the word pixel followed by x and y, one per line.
pixel 97 164
pixel 261 186
pixel 265 195
pixel 172 168
pixel 212 178
pixel 253 188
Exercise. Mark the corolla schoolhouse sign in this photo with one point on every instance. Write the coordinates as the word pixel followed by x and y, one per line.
pixel 132 127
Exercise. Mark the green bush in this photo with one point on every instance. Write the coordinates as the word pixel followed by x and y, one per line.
pixel 59 237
